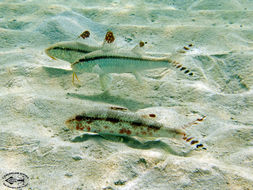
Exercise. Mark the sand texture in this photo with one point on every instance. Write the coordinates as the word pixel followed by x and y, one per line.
pixel 37 95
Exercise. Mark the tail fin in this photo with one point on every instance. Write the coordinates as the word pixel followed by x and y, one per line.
pixel 190 139
pixel 193 141
pixel 195 122
pixel 180 66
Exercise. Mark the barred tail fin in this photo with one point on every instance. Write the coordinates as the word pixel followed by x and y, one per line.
pixel 193 141
pixel 180 66
pixel 195 122
pixel 190 139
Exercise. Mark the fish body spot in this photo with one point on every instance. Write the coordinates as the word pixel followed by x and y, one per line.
pixel 128 132
pixel 81 60
pixel 144 133
pixel 137 124
pixel 89 121
pixel 118 108
pixel 152 115
pixel 186 48
pixel 79 126
pixel 79 118
pixel 194 141
pixel 112 120
pixel 121 131
pixel 199 145
pixel 190 138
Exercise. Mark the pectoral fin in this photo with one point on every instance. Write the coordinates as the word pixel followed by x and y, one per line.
pixel 137 76
pixel 73 78
pixel 105 81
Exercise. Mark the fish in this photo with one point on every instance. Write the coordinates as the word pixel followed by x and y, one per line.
pixel 122 122
pixel 106 58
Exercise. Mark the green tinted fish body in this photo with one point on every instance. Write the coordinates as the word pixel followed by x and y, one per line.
pixel 118 64
pixel 106 58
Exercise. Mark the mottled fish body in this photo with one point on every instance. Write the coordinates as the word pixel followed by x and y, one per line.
pixel 119 121
pixel 124 123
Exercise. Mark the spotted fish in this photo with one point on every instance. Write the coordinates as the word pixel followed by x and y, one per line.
pixel 120 121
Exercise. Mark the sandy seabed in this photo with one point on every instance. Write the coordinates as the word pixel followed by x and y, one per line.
pixel 37 95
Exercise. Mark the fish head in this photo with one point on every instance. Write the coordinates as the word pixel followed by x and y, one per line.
pixel 69 51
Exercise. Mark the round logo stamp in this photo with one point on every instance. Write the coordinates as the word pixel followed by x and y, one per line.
pixel 15 180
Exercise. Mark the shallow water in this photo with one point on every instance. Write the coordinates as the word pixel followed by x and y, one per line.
pixel 37 95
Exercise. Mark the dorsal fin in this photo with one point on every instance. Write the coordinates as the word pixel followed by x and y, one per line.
pixel 85 34
pixel 138 48
pixel 179 65
pixel 185 48
pixel 109 37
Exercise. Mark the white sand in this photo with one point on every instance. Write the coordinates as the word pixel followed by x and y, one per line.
pixel 36 96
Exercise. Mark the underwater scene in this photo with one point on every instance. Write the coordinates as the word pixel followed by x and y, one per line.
pixel 126 95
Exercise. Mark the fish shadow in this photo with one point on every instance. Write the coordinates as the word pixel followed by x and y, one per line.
pixel 56 72
pixel 130 142
pixel 105 97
